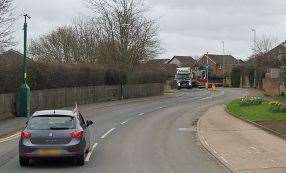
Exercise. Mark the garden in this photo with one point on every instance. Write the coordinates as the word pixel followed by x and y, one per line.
pixel 270 114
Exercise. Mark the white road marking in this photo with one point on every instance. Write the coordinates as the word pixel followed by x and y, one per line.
pixel 107 133
pixel 179 95
pixel 186 129
pixel 90 152
pixel 141 114
pixel 162 107
pixel 206 98
pixel 125 122
pixel 9 138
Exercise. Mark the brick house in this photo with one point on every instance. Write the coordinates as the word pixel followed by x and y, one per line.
pixel 269 70
pixel 220 65
pixel 158 61
pixel 13 56
pixel 184 61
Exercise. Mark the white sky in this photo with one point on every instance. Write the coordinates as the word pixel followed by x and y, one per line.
pixel 187 27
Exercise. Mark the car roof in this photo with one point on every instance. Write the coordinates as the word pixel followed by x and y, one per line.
pixel 55 112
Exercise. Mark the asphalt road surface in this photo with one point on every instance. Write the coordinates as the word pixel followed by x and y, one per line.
pixel 147 135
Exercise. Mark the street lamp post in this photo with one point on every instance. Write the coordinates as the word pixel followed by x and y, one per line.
pixel 255 70
pixel 207 70
pixel 124 60
pixel 24 94
pixel 223 63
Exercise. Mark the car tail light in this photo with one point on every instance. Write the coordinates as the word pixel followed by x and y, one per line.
pixel 77 135
pixel 25 135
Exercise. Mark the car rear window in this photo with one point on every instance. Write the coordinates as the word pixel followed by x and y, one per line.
pixel 51 123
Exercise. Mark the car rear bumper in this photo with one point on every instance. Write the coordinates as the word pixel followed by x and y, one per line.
pixel 31 152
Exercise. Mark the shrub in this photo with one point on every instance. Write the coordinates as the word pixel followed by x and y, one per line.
pixel 275 106
pixel 248 101
pixel 50 75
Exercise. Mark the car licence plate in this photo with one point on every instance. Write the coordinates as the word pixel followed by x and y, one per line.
pixel 49 152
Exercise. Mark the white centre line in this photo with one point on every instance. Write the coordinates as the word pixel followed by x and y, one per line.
pixel 9 138
pixel 107 133
pixel 90 152
pixel 206 98
pixel 162 107
pixel 125 122
pixel 141 114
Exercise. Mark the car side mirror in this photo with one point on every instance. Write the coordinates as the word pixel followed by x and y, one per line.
pixel 89 123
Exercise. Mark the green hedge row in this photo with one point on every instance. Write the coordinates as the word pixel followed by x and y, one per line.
pixel 50 76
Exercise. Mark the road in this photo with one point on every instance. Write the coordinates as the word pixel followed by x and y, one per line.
pixel 156 134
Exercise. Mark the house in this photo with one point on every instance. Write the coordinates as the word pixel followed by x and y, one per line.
pixel 219 65
pixel 267 70
pixel 184 61
pixel 158 61
pixel 12 56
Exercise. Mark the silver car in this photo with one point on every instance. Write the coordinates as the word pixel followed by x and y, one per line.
pixel 55 134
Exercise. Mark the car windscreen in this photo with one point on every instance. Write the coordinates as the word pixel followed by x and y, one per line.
pixel 51 123
pixel 183 77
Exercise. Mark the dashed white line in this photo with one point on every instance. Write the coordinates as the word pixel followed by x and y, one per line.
pixel 162 107
pixel 141 114
pixel 206 98
pixel 9 138
pixel 90 152
pixel 125 122
pixel 107 133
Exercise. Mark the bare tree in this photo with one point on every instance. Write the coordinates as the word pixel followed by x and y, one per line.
pixel 263 58
pixel 125 34
pixel 6 21
pixel 264 44
pixel 68 44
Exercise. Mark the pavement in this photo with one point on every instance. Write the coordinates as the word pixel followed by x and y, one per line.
pixel 242 147
pixel 148 135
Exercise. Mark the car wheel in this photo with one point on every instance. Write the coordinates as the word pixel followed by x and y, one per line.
pixel 23 161
pixel 80 160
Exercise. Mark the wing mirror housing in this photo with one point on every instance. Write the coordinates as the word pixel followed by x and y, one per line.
pixel 89 122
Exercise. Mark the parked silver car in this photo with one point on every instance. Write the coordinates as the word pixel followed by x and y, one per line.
pixel 55 134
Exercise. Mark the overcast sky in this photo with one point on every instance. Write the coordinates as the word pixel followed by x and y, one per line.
pixel 187 27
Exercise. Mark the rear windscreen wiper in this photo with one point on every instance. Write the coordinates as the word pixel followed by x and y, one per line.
pixel 59 128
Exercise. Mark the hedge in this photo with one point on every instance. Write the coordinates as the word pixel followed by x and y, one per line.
pixel 50 76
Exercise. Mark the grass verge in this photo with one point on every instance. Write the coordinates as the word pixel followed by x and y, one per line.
pixel 256 113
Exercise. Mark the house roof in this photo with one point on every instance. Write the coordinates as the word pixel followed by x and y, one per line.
pixel 12 55
pixel 158 61
pixel 186 60
pixel 273 53
pixel 220 59
pixel 276 50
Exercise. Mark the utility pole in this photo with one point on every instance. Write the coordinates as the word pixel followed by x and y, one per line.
pixel 255 70
pixel 124 60
pixel 24 95
pixel 223 63
pixel 207 86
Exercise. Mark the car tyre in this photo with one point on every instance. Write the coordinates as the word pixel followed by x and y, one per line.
pixel 80 160
pixel 24 162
